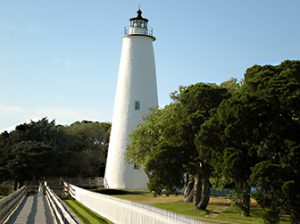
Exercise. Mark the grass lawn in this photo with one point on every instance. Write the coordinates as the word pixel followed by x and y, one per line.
pixel 85 215
pixel 220 209
pixel 233 214
pixel 217 213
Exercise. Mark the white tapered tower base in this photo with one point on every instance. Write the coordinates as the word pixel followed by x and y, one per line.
pixel 136 94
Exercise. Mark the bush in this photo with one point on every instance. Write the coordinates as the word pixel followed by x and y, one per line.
pixel 5 189
pixel 271 216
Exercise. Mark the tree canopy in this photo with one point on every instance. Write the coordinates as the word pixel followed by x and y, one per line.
pixel 256 139
pixel 240 134
pixel 42 149
pixel 164 143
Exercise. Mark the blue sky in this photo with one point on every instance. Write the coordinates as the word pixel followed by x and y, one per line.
pixel 59 59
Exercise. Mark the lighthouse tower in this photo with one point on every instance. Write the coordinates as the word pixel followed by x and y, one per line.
pixel 136 94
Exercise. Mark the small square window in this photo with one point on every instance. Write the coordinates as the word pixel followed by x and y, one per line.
pixel 137 105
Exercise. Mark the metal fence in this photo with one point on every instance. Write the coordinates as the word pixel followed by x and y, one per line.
pixel 126 212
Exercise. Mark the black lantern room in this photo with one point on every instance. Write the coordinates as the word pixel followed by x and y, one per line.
pixel 139 21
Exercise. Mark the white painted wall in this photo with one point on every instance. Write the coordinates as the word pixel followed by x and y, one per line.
pixel 136 82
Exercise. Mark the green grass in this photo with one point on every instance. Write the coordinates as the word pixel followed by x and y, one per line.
pixel 84 214
pixel 233 213
pixel 230 215
pixel 180 207
pixel 217 212
pixel 136 196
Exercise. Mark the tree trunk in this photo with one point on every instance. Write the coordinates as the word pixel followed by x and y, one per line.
pixel 295 216
pixel 16 185
pixel 197 189
pixel 202 205
pixel 271 216
pixel 246 199
pixel 189 191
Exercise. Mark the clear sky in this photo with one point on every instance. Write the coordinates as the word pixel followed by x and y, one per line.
pixel 59 58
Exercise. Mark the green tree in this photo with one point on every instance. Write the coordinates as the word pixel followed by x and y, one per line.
pixel 255 137
pixel 156 145
pixel 42 149
pixel 164 143
pixel 238 121
pixel 277 174
pixel 232 85
pixel 32 151
pixel 198 101
pixel 4 139
pixel 88 145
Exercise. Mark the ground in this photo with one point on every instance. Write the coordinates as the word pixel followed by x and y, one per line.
pixel 220 209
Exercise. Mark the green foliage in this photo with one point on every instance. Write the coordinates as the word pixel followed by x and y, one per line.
pixel 88 145
pixel 5 189
pixel 163 170
pixel 164 143
pixel 42 149
pixel 31 151
pixel 253 137
pixel 231 85
pixel 156 145
pixel 277 173
pixel 240 134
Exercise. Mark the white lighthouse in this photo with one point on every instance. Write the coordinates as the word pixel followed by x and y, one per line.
pixel 136 94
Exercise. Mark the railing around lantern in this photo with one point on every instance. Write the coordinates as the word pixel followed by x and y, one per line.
pixel 138 30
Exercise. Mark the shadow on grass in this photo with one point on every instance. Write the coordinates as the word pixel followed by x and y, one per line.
pixel 220 203
pixel 256 211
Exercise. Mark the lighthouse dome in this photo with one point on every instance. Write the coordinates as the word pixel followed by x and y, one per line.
pixel 139 26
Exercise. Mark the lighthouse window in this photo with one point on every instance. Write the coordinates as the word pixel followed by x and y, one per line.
pixel 137 105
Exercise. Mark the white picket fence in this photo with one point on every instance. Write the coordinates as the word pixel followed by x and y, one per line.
pixel 126 212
